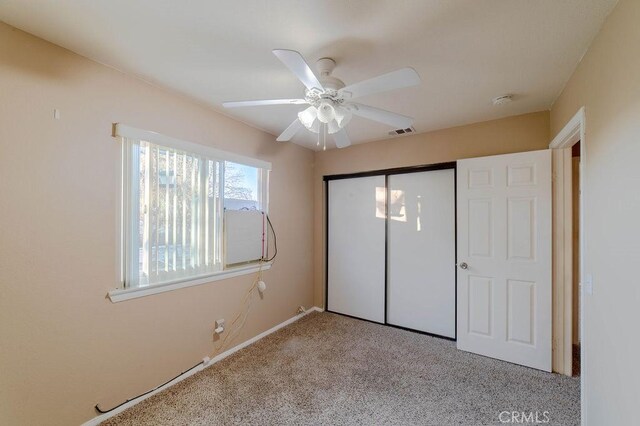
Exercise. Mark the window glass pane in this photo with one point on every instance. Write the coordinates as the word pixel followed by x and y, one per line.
pixel 175 198
pixel 242 188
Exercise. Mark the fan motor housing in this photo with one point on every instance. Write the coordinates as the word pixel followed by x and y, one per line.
pixel 325 67
pixel 331 83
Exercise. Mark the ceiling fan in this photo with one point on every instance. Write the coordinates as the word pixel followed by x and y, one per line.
pixel 330 101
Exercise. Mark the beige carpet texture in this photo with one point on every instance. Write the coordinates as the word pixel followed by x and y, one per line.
pixel 327 369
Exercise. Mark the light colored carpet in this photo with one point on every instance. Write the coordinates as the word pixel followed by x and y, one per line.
pixel 326 369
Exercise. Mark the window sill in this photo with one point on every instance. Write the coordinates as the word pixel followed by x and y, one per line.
pixel 121 294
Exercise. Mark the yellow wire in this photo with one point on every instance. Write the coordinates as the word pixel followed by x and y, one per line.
pixel 244 301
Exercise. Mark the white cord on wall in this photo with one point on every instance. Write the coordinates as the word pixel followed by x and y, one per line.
pixel 257 284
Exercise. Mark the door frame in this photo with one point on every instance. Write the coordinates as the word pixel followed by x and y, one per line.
pixel 386 173
pixel 574 131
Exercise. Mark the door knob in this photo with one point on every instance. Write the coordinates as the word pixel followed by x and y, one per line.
pixel 463 265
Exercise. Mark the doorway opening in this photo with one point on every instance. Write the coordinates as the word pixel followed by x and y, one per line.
pixel 576 294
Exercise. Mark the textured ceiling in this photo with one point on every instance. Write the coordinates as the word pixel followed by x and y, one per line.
pixel 466 51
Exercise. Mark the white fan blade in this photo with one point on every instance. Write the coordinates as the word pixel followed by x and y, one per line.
pixel 404 77
pixel 290 131
pixel 296 63
pixel 342 139
pixel 392 119
pixel 236 104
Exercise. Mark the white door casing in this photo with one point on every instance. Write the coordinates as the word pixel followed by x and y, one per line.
pixel 356 247
pixel 504 257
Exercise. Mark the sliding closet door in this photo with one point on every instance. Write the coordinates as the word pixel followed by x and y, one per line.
pixel 356 247
pixel 421 292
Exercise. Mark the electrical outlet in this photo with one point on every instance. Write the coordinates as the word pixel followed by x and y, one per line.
pixel 219 326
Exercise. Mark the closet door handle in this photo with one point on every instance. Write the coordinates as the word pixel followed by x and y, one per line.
pixel 463 265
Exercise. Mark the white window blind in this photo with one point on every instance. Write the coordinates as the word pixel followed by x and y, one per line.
pixel 174 214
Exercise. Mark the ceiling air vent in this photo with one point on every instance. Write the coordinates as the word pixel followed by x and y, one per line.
pixel 399 132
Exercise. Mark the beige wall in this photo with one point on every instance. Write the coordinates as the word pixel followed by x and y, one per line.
pixel 63 346
pixel 607 84
pixel 514 134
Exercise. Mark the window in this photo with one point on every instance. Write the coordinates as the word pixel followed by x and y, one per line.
pixel 242 188
pixel 174 197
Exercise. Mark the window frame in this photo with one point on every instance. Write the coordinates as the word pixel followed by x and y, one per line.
pixel 124 133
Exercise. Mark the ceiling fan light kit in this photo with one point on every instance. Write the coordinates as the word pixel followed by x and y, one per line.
pixel 308 117
pixel 330 100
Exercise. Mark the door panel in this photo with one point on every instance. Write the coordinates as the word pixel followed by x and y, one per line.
pixel 521 296
pixel 480 228
pixel 356 247
pixel 421 252
pixel 480 305
pixel 521 232
pixel 504 242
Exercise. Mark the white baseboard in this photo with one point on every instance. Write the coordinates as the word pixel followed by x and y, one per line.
pixel 102 417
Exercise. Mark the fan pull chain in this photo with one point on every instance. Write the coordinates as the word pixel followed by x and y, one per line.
pixel 322 136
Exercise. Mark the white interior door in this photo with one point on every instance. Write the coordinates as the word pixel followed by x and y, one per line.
pixel 504 257
pixel 421 252
pixel 356 247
